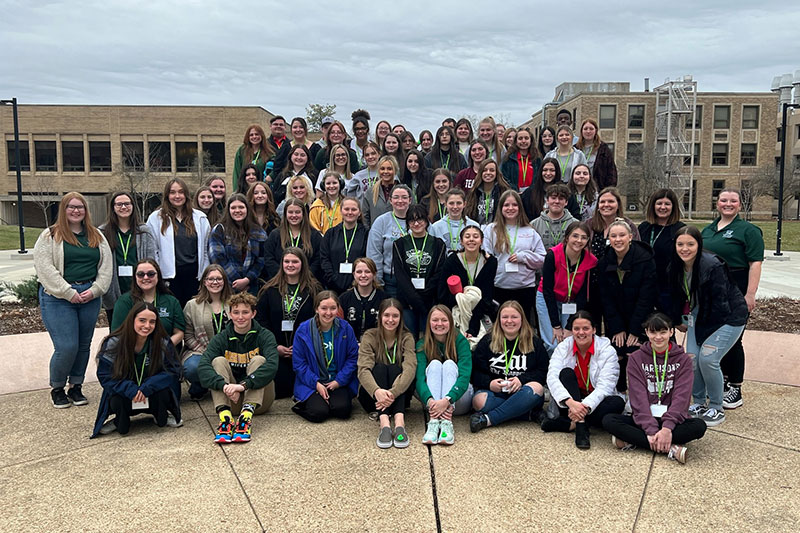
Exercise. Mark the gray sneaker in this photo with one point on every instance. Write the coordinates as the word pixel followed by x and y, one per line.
pixel 108 428
pixel 712 417
pixel 696 410
pixel 385 438
pixel 400 437
pixel 171 422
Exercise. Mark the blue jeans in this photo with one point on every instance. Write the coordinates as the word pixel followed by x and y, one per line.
pixel 415 322
pixel 708 379
pixel 390 285
pixel 501 407
pixel 545 327
pixel 190 368
pixel 71 328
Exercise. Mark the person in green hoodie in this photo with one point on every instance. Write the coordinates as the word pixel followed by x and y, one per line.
pixel 239 366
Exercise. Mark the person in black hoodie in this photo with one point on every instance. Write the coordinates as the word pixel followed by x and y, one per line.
pixel 341 246
pixel 475 268
pixel 417 260
pixel 713 313
pixel 295 231
pixel 662 221
pixel 359 305
pixel 627 279
pixel 509 370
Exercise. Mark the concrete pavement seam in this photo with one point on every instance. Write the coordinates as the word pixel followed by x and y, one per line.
pixel 781 446
pixel 644 493
pixel 433 490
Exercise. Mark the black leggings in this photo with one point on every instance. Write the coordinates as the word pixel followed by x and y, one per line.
pixel 184 285
pixel 732 364
pixel 122 409
pixel 284 378
pixel 609 405
pixel 622 355
pixel 316 409
pixel 623 427
pixel 384 376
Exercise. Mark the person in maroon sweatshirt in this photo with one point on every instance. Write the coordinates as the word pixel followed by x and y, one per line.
pixel 660 380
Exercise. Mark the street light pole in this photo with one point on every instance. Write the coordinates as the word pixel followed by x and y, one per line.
pixel 779 233
pixel 13 104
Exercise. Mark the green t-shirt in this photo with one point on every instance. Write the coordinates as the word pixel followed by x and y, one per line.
pixel 80 262
pixel 169 311
pixel 126 242
pixel 738 244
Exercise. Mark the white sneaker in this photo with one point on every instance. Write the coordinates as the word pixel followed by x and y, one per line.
pixel 171 422
pixel 432 433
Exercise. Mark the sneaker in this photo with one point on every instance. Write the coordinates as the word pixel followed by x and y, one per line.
pixel 561 424
pixel 621 445
pixel 677 453
pixel 242 432
pixel 582 441
pixel 696 410
pixel 108 428
pixel 59 398
pixel 373 416
pixel 477 422
pixel 224 432
pixel 384 438
pixel 732 398
pixel 432 433
pixel 75 395
pixel 712 417
pixel 446 435
pixel 171 422
pixel 197 391
pixel 400 437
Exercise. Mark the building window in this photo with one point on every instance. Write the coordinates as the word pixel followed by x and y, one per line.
pixel 214 156
pixel 45 156
pixel 717 186
pixel 72 156
pixel 636 116
pixel 719 155
pixel 186 156
pixel 694 197
pixel 698 118
pixel 688 159
pixel 722 117
pixel 750 117
pixel 133 155
pixel 160 156
pixel 24 155
pixel 608 117
pixel 635 152
pixel 748 155
pixel 99 156
pixel 611 148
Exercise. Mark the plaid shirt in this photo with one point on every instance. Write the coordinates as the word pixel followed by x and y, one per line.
pixel 238 263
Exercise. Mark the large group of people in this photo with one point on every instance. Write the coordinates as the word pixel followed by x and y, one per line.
pixel 490 273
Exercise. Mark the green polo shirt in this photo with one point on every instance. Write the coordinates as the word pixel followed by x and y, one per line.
pixel 80 262
pixel 739 243
pixel 169 312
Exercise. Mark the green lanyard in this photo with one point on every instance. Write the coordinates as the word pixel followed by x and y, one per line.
pixel 347 245
pixel 654 239
pixel 588 154
pixel 330 215
pixel 370 179
pixel 125 247
pixel 660 383
pixel 556 236
pixel 402 231
pixel 470 277
pixel 580 208
pixel 620 275
pixel 565 164
pixel 140 376
pixel 514 242
pixel 418 253
pixel 255 157
pixel 508 356
pixel 486 201
pixel 686 290
pixel 329 360
pixel 295 242
pixel 445 164
pixel 441 209
pixel 217 323
pixel 454 239
pixel 392 358
pixel 290 304
pixel 571 281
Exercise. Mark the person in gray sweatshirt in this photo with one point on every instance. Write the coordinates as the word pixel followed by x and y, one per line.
pixel 553 222
pixel 386 229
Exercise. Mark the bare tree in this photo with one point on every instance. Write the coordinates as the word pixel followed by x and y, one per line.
pixel 41 195
pixel 139 178
pixel 316 112
pixel 201 169
pixel 639 182
pixel 754 185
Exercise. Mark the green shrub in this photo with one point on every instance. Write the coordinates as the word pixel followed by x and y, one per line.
pixel 26 291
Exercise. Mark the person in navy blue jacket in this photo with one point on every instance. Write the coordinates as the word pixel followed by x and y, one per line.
pixel 139 372
pixel 325 359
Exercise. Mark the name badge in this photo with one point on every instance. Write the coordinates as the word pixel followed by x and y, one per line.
pixel 287 325
pixel 125 271
pixel 658 410
pixel 512 267
pixel 419 283
pixel 345 268
pixel 689 319
pixel 569 309
pixel 141 405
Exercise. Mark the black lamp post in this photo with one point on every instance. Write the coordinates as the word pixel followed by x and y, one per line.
pixel 784 113
pixel 13 104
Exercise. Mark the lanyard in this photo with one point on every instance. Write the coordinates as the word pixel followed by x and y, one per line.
pixel 445 164
pixel 418 253
pixel 441 209
pixel 330 215
pixel 125 247
pixel 565 164
pixel 140 376
pixel 686 290
pixel 402 231
pixel 556 236
pixel 654 239
pixel 295 242
pixel 290 304
pixel 392 358
pixel 454 239
pixel 346 244
pixel 589 153
pixel 580 209
pixel 571 281
pixel 514 243
pixel 524 162
pixel 487 198
pixel 370 179
pixel 217 323
pixel 586 379
pixel 255 157
pixel 660 383
pixel 329 360
pixel 620 275
pixel 508 356
pixel 470 277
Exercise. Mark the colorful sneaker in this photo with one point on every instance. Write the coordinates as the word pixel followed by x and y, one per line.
pixel 242 431
pixel 446 435
pixel 677 453
pixel 696 410
pixel 432 433
pixel 712 417
pixel 732 398
pixel 75 396
pixel 59 398
pixel 224 432
pixel 400 437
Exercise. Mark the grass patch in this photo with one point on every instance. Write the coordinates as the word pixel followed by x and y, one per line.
pixel 9 237
pixel 790 240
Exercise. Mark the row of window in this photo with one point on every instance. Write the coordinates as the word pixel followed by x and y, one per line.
pixel 607 118
pixel 748 155
pixel 157 159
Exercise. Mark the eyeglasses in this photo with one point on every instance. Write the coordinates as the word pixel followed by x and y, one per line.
pixel 214 280
pixel 416 220
pixel 76 207
pixel 124 205
pixel 149 274
pixel 360 129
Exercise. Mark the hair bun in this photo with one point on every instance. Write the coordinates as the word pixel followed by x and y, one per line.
pixel 360 113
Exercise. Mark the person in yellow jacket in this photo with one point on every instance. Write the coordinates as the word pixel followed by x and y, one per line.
pixel 326 211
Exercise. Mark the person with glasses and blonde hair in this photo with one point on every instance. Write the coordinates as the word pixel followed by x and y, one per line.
pixel 74 266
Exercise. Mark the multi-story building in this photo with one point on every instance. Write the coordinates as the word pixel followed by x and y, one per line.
pixel 97 149
pixel 787 87
pixel 735 136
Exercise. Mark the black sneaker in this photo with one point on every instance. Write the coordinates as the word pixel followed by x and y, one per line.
pixel 477 422
pixel 582 436
pixel 732 398
pixel 76 396
pixel 59 398
pixel 561 424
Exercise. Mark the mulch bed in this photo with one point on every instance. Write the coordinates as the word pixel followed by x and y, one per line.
pixel 775 314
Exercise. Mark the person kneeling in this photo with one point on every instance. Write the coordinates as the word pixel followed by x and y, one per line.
pixel 239 368
pixel 139 372
pixel 659 394
pixel 582 378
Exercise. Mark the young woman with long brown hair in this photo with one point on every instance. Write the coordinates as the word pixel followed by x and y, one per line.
pixel 294 231
pixel 255 149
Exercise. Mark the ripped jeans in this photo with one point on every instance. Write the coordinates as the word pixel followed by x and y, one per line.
pixel 708 381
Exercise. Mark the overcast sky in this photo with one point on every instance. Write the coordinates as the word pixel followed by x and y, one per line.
pixel 407 62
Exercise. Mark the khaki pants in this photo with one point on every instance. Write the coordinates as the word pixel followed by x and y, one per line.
pixel 262 397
